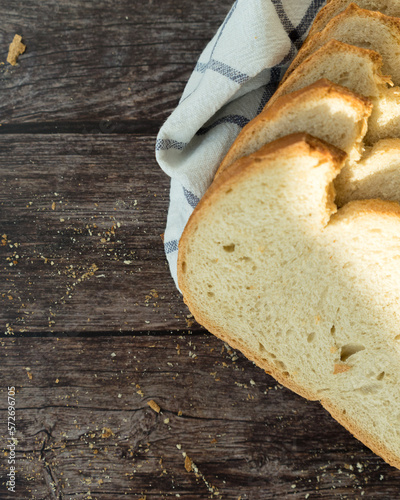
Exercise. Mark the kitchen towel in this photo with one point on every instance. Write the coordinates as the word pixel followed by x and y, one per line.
pixel 233 79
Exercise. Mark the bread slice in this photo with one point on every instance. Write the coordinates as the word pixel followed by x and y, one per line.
pixel 363 28
pixel 353 67
pixel 323 109
pixel 335 7
pixel 376 175
pixel 311 297
pixel 358 70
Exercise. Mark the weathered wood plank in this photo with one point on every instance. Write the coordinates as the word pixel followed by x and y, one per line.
pixel 82 217
pixel 101 60
pixel 85 430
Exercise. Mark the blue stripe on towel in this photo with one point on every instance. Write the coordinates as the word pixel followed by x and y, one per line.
pixel 165 144
pixel 270 88
pixel 239 120
pixel 191 198
pixel 223 69
pixel 171 246
pixel 290 29
pixel 309 16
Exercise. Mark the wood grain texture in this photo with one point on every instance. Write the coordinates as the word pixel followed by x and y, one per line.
pixel 81 248
pixel 124 61
pixel 85 429
pixel 82 207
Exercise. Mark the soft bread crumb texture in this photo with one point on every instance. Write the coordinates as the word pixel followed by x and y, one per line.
pixel 310 296
pixel 385 118
pixel 376 175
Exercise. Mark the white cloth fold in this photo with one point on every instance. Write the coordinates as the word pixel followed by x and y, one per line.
pixel 234 78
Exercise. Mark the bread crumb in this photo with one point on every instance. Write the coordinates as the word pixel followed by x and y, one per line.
pixel 340 369
pixel 106 433
pixel 154 406
pixel 16 49
pixel 188 464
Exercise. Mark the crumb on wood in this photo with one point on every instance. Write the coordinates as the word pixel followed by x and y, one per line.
pixel 16 49
pixel 154 406
pixel 188 464
pixel 106 433
pixel 92 269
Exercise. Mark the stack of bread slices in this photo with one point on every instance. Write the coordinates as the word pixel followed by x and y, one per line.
pixel 293 254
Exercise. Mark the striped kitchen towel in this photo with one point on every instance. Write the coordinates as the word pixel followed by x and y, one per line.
pixel 234 78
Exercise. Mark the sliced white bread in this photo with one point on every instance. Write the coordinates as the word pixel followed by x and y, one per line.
pixel 323 109
pixel 362 28
pixel 376 175
pixel 353 67
pixel 335 7
pixel 312 298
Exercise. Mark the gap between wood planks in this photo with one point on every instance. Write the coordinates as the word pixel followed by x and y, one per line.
pixel 143 127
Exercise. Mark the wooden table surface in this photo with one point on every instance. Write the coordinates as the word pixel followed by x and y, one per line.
pixel 92 326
